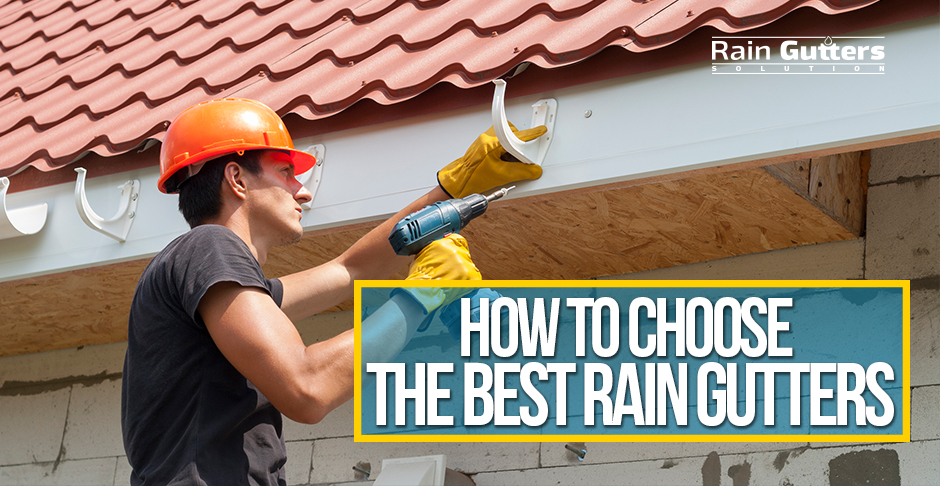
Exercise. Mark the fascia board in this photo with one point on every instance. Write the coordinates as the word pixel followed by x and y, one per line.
pixel 641 126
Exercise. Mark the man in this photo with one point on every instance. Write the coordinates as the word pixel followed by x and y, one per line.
pixel 213 358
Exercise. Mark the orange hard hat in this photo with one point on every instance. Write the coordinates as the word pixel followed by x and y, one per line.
pixel 215 128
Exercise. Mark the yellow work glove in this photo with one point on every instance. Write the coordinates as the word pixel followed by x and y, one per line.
pixel 482 167
pixel 444 259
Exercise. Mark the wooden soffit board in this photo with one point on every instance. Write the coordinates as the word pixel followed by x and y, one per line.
pixel 598 231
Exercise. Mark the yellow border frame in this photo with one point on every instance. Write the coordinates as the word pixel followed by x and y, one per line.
pixel 392 438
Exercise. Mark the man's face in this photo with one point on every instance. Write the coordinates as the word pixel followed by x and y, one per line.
pixel 276 198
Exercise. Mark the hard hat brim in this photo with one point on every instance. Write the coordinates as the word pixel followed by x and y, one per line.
pixel 302 161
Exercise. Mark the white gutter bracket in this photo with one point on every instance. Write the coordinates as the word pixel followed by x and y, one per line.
pixel 543 113
pixel 119 225
pixel 311 178
pixel 21 221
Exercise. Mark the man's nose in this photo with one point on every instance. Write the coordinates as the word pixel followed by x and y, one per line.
pixel 303 194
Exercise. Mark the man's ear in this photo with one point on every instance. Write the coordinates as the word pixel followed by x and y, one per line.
pixel 234 180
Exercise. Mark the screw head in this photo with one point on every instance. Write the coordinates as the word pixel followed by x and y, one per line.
pixel 588 113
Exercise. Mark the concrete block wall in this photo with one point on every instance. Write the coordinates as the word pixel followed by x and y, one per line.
pixel 60 410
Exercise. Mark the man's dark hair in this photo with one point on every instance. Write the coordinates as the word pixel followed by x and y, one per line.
pixel 201 195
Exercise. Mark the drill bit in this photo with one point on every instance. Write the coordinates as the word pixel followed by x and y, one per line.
pixel 498 194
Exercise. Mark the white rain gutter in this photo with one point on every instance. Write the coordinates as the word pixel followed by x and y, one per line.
pixel 639 126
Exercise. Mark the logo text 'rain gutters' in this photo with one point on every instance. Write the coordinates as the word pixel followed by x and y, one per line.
pixel 797 55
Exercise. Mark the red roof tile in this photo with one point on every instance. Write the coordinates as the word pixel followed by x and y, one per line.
pixel 107 75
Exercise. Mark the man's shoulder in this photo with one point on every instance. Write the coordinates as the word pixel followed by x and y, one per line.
pixel 203 256
pixel 204 237
pixel 214 232
pixel 195 247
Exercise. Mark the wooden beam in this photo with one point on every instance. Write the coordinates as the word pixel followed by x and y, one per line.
pixel 836 184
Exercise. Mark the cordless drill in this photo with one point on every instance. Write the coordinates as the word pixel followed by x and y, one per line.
pixel 419 229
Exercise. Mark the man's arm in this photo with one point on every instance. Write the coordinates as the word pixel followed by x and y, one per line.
pixel 303 382
pixel 480 169
pixel 371 258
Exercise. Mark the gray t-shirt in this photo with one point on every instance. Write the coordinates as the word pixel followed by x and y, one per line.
pixel 188 416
